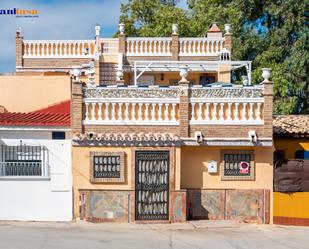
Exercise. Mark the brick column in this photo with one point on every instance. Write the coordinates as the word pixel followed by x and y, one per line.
pixel 19 49
pixel 76 107
pixel 268 108
pixel 97 72
pixel 228 41
pixel 184 96
pixel 175 47
pixel 122 43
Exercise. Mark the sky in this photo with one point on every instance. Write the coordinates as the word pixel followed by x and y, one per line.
pixel 58 19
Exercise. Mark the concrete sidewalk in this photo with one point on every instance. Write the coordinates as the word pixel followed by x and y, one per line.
pixel 196 234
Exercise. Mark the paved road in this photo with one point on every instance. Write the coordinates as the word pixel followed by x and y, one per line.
pixel 15 235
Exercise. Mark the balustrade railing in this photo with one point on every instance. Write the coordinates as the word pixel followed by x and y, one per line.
pixel 148 46
pixel 131 112
pixel 226 111
pixel 161 106
pixel 59 49
pixel 200 46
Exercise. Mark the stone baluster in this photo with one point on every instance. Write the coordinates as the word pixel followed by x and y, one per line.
pixel 193 111
pixel 244 111
pixel 207 111
pixel 221 114
pixel 147 115
pixel 93 117
pixel 229 111
pixel 86 111
pixel 153 112
pixel 251 112
pixel 134 111
pixel 160 112
pixel 107 117
pixel 215 116
pixel 127 111
pixel 173 113
pixel 200 111
pixel 236 112
pixel 258 117
pixel 100 118
pixel 119 112
pixel 114 116
pixel 140 115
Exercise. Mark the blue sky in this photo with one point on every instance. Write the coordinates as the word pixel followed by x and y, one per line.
pixel 58 19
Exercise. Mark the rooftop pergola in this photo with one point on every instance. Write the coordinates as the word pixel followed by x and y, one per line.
pixel 140 67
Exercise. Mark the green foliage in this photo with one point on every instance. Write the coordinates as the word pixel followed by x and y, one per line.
pixel 268 32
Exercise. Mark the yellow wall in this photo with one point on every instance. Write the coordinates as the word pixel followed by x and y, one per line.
pixel 291 145
pixel 294 205
pixel 19 93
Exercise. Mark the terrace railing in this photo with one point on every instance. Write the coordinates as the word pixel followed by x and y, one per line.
pixel 59 49
pixel 160 106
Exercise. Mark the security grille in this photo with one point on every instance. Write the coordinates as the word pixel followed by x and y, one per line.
pixel 24 160
pixel 106 166
pixel 232 164
pixel 152 185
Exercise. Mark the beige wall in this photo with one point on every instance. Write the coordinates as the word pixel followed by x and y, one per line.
pixel 19 93
pixel 81 171
pixel 194 170
pixel 168 76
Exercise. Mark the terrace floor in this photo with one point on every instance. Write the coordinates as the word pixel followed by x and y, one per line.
pixel 197 234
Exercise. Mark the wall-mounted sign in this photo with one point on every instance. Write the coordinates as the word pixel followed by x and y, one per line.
pixel 244 168
pixel 212 166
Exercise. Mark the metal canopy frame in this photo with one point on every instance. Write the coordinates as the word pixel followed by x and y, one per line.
pixel 140 67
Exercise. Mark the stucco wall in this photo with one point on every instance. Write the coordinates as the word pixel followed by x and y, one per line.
pixel 48 199
pixel 81 170
pixel 194 172
pixel 29 93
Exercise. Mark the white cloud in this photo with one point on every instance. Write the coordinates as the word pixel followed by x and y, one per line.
pixel 57 20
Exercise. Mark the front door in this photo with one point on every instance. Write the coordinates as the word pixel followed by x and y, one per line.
pixel 151 185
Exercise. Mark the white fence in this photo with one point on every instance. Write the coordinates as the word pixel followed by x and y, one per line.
pixel 200 46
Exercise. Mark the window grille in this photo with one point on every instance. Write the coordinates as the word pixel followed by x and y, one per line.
pixel 232 164
pixel 24 160
pixel 106 166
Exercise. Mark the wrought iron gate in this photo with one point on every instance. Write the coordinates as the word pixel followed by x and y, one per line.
pixel 151 185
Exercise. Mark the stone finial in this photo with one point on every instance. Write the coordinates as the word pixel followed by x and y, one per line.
pixel 183 74
pixel 214 28
pixel 266 74
pixel 76 72
pixel 121 28
pixel 227 28
pixel 18 31
pixel 97 29
pixel 119 75
pixel 175 28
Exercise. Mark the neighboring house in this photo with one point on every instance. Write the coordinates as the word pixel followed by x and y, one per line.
pixel 35 164
pixel 291 137
pixel 160 132
pixel 291 156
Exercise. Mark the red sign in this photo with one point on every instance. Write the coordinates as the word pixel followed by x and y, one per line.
pixel 244 168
